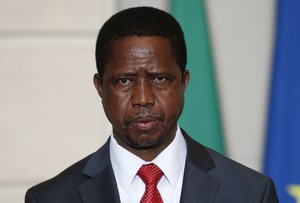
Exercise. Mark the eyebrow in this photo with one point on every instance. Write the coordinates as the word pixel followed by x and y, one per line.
pixel 129 73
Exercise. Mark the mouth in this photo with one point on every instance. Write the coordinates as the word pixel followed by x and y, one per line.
pixel 145 123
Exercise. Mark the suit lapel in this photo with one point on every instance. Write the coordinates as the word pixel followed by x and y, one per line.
pixel 100 189
pixel 198 185
pixel 102 186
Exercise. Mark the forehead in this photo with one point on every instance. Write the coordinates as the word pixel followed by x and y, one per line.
pixel 143 50
pixel 141 45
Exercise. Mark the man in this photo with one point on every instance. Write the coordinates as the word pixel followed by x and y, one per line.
pixel 141 79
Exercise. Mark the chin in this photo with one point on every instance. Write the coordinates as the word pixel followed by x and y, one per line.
pixel 145 141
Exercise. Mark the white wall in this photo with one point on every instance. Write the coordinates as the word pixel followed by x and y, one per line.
pixel 47 96
pixel 51 115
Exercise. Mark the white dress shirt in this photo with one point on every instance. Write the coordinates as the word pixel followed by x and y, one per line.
pixel 171 161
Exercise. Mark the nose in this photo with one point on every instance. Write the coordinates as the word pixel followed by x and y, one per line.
pixel 142 94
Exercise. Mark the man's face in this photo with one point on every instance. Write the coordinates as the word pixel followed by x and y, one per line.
pixel 142 91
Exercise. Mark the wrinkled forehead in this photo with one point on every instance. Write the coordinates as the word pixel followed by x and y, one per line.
pixel 141 47
pixel 153 54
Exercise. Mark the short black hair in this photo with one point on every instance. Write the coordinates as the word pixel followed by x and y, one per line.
pixel 140 21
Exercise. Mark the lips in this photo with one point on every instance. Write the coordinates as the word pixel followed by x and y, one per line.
pixel 145 123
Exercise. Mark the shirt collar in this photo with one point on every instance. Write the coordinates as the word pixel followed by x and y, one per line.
pixel 171 161
pixel 124 163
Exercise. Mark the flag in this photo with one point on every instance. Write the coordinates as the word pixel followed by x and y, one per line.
pixel 201 117
pixel 282 156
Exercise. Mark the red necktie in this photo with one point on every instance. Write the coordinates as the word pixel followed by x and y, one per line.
pixel 150 174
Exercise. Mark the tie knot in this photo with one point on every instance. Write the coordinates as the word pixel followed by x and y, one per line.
pixel 150 174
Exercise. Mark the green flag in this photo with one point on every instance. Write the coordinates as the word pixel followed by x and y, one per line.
pixel 201 117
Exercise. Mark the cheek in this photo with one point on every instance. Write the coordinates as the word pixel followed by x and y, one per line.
pixel 171 103
pixel 115 106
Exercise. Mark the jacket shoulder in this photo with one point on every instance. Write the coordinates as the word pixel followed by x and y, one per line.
pixel 241 181
pixel 236 182
pixel 61 188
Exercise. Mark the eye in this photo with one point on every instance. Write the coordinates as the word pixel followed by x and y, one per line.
pixel 161 82
pixel 159 79
pixel 124 81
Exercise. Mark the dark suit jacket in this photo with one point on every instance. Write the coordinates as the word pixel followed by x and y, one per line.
pixel 208 177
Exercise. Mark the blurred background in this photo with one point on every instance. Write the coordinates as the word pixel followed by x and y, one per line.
pixel 50 113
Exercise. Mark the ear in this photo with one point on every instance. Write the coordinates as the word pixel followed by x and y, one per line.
pixel 98 83
pixel 185 79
